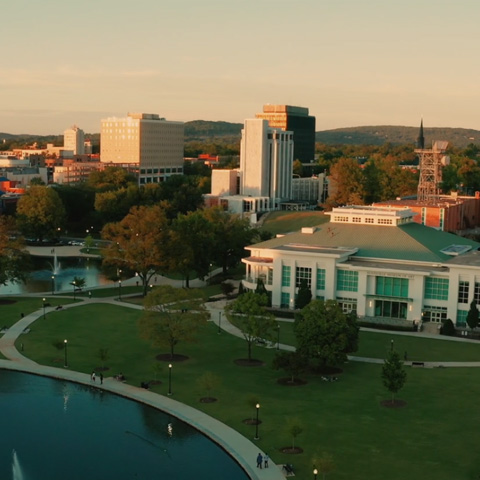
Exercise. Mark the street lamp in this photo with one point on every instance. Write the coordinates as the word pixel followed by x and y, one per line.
pixel 53 284
pixel 119 289
pixel 44 309
pixel 74 284
pixel 219 322
pixel 169 379
pixel 278 336
pixel 66 361
pixel 391 344
pixel 315 473
pixel 257 406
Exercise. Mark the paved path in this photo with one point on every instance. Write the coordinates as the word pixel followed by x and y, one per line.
pixel 240 448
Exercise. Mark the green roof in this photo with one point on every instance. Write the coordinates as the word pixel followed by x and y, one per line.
pixel 409 242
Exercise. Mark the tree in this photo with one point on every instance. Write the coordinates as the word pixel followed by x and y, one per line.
pixel 139 243
pixel 14 259
pixel 448 328
pixel 324 333
pixel 473 316
pixel 393 373
pixel 347 183
pixel 292 362
pixel 172 315
pixel 304 296
pixel 103 356
pixel 294 429
pixel 231 234
pixel 78 283
pixel 40 213
pixel 208 382
pixel 191 243
pixel 249 313
pixel 324 464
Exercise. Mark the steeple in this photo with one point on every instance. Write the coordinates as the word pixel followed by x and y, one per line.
pixel 421 138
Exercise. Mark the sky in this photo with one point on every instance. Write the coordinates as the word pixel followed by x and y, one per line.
pixel 351 62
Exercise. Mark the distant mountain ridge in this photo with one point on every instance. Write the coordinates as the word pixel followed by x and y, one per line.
pixel 379 135
pixel 372 135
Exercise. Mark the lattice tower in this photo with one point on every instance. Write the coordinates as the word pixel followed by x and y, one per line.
pixel 431 163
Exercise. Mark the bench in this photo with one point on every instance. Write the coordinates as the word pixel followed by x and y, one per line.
pixel 288 469
pixel 418 364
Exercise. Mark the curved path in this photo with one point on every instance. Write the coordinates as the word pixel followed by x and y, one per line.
pixel 240 448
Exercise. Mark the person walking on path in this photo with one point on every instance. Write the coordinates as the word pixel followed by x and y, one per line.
pixel 93 376
pixel 259 460
pixel 265 460
pixel 101 378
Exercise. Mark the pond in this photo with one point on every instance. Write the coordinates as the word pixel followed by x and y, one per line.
pixel 54 429
pixel 55 274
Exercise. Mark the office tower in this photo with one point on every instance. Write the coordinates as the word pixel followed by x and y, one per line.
pixel 73 139
pixel 144 142
pixel 296 120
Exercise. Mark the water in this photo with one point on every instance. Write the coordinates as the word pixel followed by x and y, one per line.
pixel 60 430
pixel 63 270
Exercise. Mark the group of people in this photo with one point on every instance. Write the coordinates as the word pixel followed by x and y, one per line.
pixel 94 376
pixel 262 460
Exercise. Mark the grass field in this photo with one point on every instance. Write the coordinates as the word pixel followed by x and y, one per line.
pixel 284 222
pixel 431 437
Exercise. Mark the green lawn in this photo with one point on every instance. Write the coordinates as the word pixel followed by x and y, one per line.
pixel 429 438
pixel 284 222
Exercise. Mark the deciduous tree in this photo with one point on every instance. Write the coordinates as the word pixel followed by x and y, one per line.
pixel 249 313
pixel 14 259
pixel 473 315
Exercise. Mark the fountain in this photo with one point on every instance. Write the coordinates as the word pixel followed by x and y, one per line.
pixel 56 264
pixel 16 470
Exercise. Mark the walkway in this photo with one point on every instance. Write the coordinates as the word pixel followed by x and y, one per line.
pixel 240 448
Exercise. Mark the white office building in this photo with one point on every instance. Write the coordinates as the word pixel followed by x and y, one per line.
pixel 74 140
pixel 144 142
pixel 376 261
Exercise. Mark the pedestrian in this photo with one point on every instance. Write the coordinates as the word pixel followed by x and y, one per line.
pixel 93 376
pixel 259 460
pixel 21 347
pixel 89 295
pixel 265 460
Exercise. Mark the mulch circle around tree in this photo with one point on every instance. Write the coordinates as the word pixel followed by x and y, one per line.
pixel 394 404
pixel 6 301
pixel 327 370
pixel 287 382
pixel 166 357
pixel 208 400
pixel 245 362
pixel 154 382
pixel 251 421
pixel 291 450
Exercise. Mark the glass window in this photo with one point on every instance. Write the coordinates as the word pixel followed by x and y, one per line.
pixel 463 288
pixel 285 300
pixel 476 293
pixel 285 276
pixel 303 273
pixel 392 287
pixel 389 309
pixel 320 279
pixel 434 314
pixel 347 280
pixel 462 318
pixel 436 288
pixel 347 304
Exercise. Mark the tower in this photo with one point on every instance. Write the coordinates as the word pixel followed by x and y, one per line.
pixel 74 140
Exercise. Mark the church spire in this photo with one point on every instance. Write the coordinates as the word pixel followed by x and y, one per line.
pixel 421 138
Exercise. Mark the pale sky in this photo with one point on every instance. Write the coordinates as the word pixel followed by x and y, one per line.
pixel 351 62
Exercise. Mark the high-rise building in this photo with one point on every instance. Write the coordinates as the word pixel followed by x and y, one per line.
pixel 74 140
pixel 266 162
pixel 296 120
pixel 144 142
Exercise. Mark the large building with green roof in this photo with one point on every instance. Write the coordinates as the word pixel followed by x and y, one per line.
pixel 373 260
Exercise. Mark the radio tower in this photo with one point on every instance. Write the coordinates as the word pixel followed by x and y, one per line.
pixel 431 163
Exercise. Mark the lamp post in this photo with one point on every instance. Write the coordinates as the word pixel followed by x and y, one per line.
pixel 391 344
pixel 315 473
pixel 119 289
pixel 43 300
pixel 53 284
pixel 278 336
pixel 74 284
pixel 169 379
pixel 257 406
pixel 66 360
pixel 219 322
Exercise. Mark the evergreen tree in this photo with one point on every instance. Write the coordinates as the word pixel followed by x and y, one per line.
pixel 473 316
pixel 393 373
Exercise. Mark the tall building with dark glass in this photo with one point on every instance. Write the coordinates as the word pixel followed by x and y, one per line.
pixel 296 120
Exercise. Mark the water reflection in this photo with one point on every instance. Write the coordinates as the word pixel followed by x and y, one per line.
pixel 56 277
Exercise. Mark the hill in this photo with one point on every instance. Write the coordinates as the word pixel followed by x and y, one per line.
pixel 379 135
